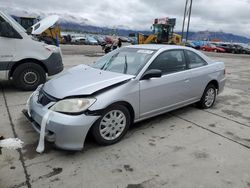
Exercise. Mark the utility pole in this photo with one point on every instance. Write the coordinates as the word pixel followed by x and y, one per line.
pixel 187 14
pixel 184 19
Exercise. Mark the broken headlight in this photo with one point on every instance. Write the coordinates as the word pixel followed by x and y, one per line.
pixel 73 106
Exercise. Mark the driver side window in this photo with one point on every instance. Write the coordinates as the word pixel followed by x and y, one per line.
pixel 1 26
pixel 6 30
pixel 169 62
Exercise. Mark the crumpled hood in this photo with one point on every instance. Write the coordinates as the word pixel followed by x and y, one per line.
pixel 82 80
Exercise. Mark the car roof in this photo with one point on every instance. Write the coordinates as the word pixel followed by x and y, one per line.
pixel 169 47
pixel 157 46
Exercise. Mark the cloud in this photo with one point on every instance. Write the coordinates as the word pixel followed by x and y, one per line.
pixel 215 15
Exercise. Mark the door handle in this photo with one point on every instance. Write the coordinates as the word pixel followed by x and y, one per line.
pixel 186 80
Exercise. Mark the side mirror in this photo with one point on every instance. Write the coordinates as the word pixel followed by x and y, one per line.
pixel 152 73
pixel 29 30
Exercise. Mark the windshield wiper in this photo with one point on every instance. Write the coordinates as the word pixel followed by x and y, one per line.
pixel 125 65
pixel 105 66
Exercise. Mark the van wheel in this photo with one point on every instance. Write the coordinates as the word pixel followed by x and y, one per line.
pixel 29 76
pixel 208 97
pixel 112 125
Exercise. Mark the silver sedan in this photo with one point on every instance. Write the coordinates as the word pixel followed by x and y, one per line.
pixel 125 86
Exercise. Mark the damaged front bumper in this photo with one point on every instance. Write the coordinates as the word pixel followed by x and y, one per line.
pixel 66 131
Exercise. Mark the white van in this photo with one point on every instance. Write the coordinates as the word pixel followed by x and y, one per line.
pixel 23 58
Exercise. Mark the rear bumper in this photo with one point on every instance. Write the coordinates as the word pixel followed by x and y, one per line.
pixel 222 85
pixel 66 131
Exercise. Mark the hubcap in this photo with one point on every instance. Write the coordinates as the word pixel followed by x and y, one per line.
pixel 30 77
pixel 112 124
pixel 209 98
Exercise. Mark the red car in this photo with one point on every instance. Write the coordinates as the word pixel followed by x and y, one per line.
pixel 212 48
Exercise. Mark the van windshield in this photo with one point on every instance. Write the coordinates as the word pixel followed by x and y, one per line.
pixel 15 22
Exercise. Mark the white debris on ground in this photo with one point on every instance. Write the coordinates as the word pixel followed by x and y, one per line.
pixel 40 147
pixel 11 143
pixel 27 104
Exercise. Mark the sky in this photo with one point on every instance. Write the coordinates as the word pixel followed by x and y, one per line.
pixel 230 16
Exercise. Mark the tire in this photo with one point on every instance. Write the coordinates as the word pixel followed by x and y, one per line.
pixel 113 133
pixel 215 50
pixel 208 98
pixel 28 76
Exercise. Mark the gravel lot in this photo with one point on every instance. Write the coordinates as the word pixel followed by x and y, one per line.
pixel 188 147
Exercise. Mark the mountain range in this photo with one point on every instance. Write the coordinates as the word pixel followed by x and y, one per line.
pixel 76 23
pixel 199 35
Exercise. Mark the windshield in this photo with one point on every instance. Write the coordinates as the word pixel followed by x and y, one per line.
pixel 124 60
pixel 157 29
pixel 15 22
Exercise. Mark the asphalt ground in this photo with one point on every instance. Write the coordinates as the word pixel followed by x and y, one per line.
pixel 188 147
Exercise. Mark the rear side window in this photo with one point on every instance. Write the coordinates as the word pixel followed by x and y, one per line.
pixel 169 62
pixel 195 60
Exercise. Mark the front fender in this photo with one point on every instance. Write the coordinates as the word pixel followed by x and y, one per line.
pixel 127 92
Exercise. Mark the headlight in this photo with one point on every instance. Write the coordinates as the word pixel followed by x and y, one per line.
pixel 75 105
pixel 50 48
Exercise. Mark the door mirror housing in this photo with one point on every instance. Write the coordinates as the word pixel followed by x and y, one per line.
pixel 152 73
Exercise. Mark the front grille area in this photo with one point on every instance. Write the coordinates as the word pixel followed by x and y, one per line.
pixel 44 98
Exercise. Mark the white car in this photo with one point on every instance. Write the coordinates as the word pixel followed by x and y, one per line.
pixel 78 40
pixel 23 58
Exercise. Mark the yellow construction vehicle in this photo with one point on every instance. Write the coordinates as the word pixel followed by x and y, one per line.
pixel 163 33
pixel 52 34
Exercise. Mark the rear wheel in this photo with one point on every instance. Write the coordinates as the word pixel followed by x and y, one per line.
pixel 28 76
pixel 112 125
pixel 208 97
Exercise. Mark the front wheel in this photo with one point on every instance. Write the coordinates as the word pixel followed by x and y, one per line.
pixel 208 97
pixel 28 76
pixel 112 125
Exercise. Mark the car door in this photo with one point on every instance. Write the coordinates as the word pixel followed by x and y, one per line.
pixel 160 94
pixel 7 43
pixel 198 74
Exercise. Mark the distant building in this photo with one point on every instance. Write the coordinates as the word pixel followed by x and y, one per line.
pixel 26 22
